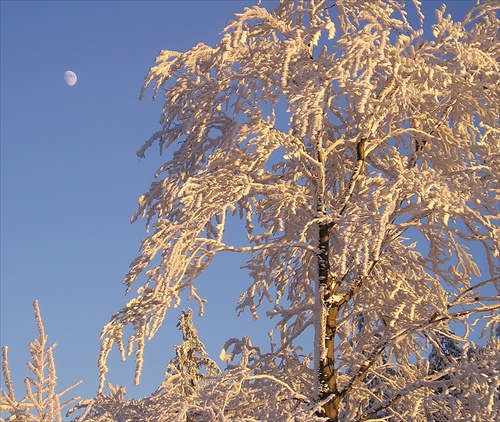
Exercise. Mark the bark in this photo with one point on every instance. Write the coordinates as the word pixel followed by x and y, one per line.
pixel 327 374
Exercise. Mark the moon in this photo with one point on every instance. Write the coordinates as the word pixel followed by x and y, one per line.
pixel 70 77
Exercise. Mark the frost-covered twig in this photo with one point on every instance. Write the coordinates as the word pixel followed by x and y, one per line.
pixel 41 402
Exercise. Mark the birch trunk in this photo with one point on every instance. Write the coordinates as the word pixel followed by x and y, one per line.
pixel 327 374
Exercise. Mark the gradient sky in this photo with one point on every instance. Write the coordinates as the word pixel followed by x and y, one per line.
pixel 70 178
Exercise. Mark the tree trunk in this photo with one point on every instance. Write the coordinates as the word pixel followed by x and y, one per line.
pixel 327 375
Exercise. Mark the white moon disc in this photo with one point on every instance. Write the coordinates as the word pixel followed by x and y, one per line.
pixel 70 77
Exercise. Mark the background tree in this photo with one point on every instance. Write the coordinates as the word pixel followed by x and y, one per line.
pixel 363 160
pixel 41 402
pixel 190 367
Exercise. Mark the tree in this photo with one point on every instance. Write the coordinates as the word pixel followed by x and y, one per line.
pixel 191 367
pixel 42 402
pixel 363 160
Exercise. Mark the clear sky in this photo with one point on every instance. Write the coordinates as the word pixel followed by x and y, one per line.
pixel 70 178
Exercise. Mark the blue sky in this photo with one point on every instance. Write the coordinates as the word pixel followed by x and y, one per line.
pixel 70 178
